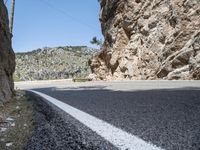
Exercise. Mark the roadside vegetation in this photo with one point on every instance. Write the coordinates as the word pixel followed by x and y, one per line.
pixel 81 79
pixel 96 41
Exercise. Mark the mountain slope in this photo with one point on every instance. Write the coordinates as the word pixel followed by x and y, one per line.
pixel 53 63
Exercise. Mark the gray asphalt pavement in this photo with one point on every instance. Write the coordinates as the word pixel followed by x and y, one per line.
pixel 166 114
pixel 56 130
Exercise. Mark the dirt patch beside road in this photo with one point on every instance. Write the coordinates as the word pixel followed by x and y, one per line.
pixel 16 122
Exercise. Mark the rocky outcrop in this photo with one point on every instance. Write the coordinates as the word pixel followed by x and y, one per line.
pixel 53 63
pixel 149 39
pixel 7 58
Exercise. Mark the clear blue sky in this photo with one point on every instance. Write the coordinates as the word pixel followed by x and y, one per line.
pixel 40 23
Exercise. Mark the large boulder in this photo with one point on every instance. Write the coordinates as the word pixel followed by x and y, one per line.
pixel 7 57
pixel 147 39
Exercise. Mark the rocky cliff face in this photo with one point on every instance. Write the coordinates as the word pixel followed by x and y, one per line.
pixel 7 58
pixel 149 39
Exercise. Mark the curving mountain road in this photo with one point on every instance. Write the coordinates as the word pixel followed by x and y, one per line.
pixel 156 114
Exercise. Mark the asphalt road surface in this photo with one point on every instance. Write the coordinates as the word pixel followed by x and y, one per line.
pixel 163 113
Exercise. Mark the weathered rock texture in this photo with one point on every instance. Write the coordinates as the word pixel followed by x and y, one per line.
pixel 7 58
pixel 149 39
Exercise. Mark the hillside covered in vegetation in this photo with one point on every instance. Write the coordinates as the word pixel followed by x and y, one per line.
pixel 53 63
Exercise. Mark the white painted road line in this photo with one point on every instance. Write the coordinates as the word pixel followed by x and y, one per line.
pixel 119 138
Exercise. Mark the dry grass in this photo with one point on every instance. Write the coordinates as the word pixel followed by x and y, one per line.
pixel 21 127
pixel 81 80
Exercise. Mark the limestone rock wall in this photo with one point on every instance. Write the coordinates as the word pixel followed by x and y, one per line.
pixel 149 39
pixel 7 58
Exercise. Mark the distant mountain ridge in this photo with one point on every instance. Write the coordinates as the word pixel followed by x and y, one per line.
pixel 53 63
